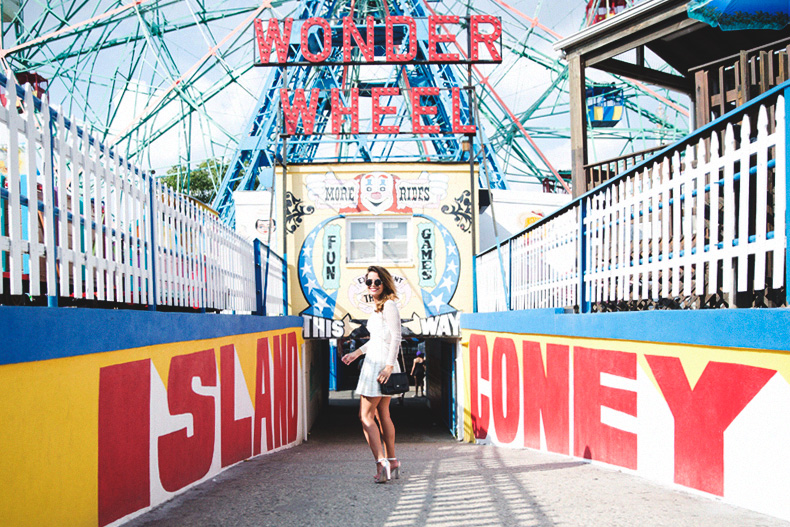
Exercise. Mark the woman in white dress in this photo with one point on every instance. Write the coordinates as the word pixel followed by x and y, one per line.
pixel 381 360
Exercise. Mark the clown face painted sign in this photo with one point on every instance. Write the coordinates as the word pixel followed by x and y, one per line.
pixel 377 192
pixel 415 220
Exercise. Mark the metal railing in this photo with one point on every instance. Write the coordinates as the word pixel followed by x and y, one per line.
pixel 81 226
pixel 699 224
pixel 270 281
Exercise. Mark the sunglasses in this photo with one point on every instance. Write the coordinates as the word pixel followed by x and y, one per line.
pixel 370 282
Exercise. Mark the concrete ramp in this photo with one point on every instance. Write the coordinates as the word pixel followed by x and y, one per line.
pixel 328 480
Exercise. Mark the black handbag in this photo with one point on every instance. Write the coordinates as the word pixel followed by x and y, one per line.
pixel 397 383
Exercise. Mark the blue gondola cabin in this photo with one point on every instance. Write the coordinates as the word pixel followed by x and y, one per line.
pixel 604 106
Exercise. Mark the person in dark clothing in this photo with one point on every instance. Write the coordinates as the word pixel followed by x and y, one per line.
pixel 418 372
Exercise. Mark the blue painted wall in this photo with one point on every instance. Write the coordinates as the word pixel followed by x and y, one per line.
pixel 41 333
pixel 767 329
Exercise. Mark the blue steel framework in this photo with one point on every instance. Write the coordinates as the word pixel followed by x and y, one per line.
pixel 261 148
pixel 131 72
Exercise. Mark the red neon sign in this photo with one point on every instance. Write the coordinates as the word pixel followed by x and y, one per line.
pixel 299 106
pixel 395 41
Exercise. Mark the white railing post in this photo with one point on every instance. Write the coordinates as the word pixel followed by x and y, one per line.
pixel 50 221
pixel 14 192
pixel 584 303
pixel 152 245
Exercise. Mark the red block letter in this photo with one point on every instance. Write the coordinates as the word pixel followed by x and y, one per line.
pixel 236 434
pixel 324 53
pixel 293 393
pixel 379 110
pixel 704 413
pixel 280 375
pixel 505 423
pixel 546 394
pixel 349 30
pixel 299 109
pixel 124 439
pixel 184 458
pixel 488 39
pixel 338 111
pixel 459 128
pixel 264 40
pixel 593 439
pixel 478 360
pixel 392 55
pixel 263 398
pixel 434 39
pixel 286 394
pixel 419 110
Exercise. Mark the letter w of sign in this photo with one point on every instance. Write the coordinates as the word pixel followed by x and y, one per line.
pixel 265 39
pixel 300 107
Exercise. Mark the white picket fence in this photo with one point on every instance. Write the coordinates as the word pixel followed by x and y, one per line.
pixel 492 275
pixel 81 223
pixel 699 218
pixel 545 267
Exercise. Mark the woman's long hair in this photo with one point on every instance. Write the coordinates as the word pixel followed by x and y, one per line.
pixel 387 286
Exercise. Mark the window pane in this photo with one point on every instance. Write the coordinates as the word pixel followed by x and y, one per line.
pixel 376 239
pixel 362 230
pixel 395 250
pixel 362 250
pixel 395 230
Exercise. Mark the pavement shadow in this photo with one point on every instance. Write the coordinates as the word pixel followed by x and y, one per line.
pixel 328 480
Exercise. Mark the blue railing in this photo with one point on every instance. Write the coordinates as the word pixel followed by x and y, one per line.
pixel 271 272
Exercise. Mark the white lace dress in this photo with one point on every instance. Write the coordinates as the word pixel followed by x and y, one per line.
pixel 381 350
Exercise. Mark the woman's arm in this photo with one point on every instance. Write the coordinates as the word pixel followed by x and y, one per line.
pixel 348 358
pixel 392 321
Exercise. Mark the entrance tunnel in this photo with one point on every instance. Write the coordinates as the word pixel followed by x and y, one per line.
pixel 437 392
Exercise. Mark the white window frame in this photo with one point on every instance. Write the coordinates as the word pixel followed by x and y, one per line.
pixel 379 222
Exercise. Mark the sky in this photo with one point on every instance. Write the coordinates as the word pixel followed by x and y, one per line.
pixel 116 89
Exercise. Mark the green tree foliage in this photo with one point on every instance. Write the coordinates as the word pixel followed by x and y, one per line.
pixel 200 182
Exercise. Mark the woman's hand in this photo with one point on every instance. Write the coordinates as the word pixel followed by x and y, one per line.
pixel 348 358
pixel 384 374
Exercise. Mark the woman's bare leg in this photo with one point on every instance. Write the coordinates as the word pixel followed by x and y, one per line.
pixel 367 415
pixel 387 427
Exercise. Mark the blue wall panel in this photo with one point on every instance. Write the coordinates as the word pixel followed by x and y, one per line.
pixel 41 333
pixel 767 329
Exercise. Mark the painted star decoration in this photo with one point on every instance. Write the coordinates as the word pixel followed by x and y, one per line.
pixel 322 304
pixel 437 300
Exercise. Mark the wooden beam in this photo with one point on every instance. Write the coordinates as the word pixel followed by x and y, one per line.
pixel 627 31
pixel 578 116
pixel 588 41
pixel 641 73
pixel 701 99
pixel 640 35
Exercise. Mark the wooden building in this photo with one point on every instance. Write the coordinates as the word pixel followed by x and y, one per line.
pixel 717 69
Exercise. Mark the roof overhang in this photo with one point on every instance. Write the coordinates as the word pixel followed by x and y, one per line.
pixel 664 27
